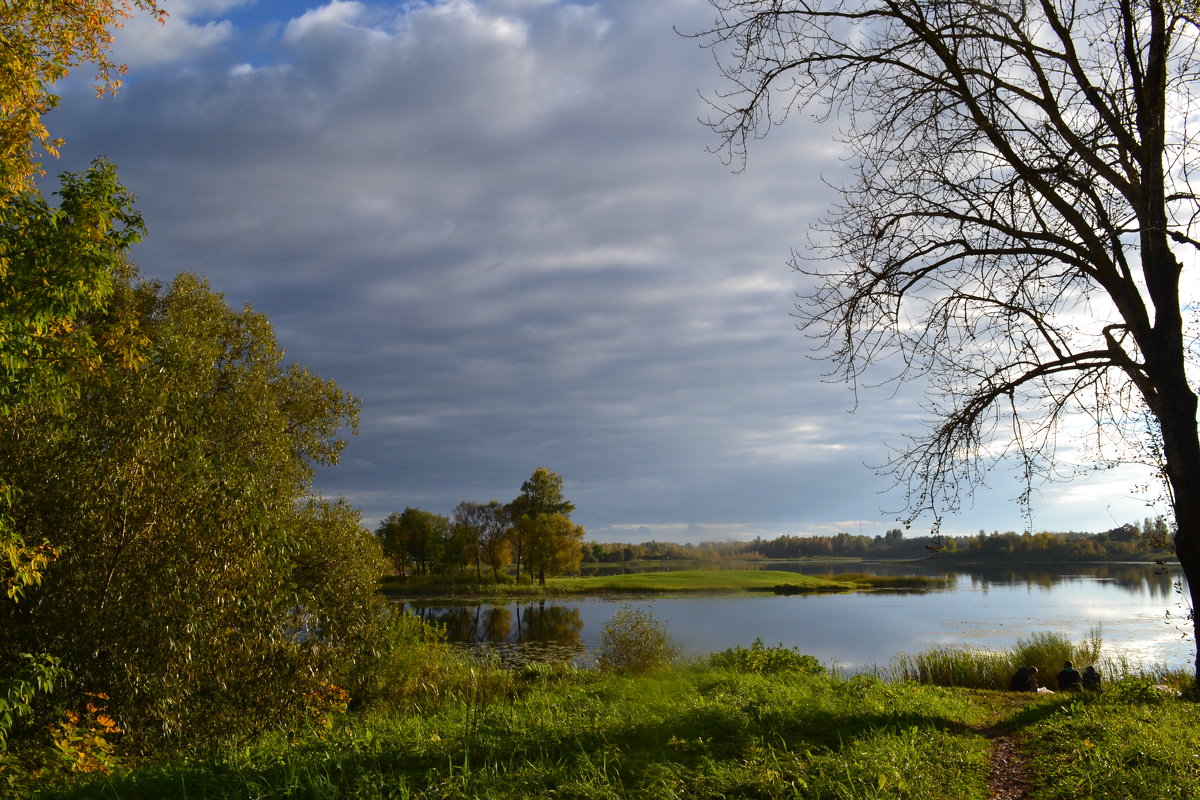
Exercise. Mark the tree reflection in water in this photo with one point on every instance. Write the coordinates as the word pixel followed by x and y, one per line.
pixel 516 634
pixel 986 605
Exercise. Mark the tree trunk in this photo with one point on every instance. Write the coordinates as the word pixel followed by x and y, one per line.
pixel 1181 451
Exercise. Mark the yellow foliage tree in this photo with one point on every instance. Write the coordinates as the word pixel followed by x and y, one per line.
pixel 46 289
pixel 40 43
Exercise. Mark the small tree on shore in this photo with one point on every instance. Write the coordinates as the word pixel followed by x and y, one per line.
pixel 484 528
pixel 414 539
pixel 552 545
pixel 533 535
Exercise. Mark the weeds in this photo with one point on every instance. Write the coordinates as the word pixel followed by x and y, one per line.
pixel 635 642
pixel 759 658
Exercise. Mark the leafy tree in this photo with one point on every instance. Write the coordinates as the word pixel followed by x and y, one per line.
pixel 552 544
pixel 458 551
pixel 496 544
pixel 56 265
pixel 635 642
pixel 483 529
pixel 414 539
pixel 51 274
pixel 43 42
pixel 541 494
pixel 1016 226
pixel 394 539
pixel 186 482
pixel 336 564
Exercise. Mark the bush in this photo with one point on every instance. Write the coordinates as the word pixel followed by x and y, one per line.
pixel 766 660
pixel 634 642
pixel 193 554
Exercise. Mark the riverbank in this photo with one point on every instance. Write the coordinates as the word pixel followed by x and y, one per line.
pixel 745 726
pixel 650 583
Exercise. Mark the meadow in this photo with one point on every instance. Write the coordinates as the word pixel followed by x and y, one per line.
pixel 756 722
pixel 699 581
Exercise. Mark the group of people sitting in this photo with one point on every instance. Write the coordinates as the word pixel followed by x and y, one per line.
pixel 1068 678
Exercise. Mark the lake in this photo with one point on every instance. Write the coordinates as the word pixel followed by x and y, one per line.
pixel 983 607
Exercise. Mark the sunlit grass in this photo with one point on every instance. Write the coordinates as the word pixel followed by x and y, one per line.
pixel 993 669
pixel 730 580
pixel 695 732
pixel 696 581
pixel 1131 740
pixel 750 722
pixel 734 580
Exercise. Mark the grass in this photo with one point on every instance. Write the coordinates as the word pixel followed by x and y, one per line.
pixel 1129 741
pixel 696 732
pixel 985 669
pixel 752 722
pixel 708 581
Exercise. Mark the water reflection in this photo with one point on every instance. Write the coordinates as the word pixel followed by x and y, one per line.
pixel 1149 579
pixel 517 632
pixel 987 606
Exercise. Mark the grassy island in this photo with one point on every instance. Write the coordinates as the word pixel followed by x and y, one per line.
pixel 710 581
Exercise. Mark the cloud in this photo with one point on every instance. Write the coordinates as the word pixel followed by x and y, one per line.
pixel 148 44
pixel 497 224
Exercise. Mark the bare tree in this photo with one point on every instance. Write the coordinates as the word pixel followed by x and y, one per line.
pixel 1015 229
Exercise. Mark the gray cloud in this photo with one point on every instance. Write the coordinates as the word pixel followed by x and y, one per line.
pixel 497 224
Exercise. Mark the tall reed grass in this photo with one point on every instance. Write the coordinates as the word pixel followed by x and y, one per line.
pixel 993 669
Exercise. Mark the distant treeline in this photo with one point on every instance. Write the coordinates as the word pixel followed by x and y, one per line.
pixel 1149 539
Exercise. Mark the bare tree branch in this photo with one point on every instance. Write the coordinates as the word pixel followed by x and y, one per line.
pixel 1021 172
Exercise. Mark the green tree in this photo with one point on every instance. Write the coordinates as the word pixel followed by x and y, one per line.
pixel 458 551
pixel 635 642
pixel 484 528
pixel 1015 229
pixel 56 265
pixel 541 494
pixel 552 545
pixel 180 482
pixel 50 275
pixel 414 539
pixel 336 564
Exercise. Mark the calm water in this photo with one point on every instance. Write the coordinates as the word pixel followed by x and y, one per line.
pixel 983 607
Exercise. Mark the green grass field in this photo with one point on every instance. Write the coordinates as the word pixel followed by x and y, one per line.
pixel 695 581
pixel 751 726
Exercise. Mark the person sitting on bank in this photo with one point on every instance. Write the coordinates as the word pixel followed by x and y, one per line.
pixel 1025 680
pixel 1091 678
pixel 1068 677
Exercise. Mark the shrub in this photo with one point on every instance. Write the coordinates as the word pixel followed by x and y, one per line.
pixel 766 660
pixel 405 666
pixel 635 642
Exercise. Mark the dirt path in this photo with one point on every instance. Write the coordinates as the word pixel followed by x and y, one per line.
pixel 1008 779
pixel 1009 775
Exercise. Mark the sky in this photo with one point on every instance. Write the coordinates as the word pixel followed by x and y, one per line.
pixel 499 224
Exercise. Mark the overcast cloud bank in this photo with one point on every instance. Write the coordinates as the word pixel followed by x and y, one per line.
pixel 496 223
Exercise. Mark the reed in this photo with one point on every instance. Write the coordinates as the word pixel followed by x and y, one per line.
pixel 993 669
